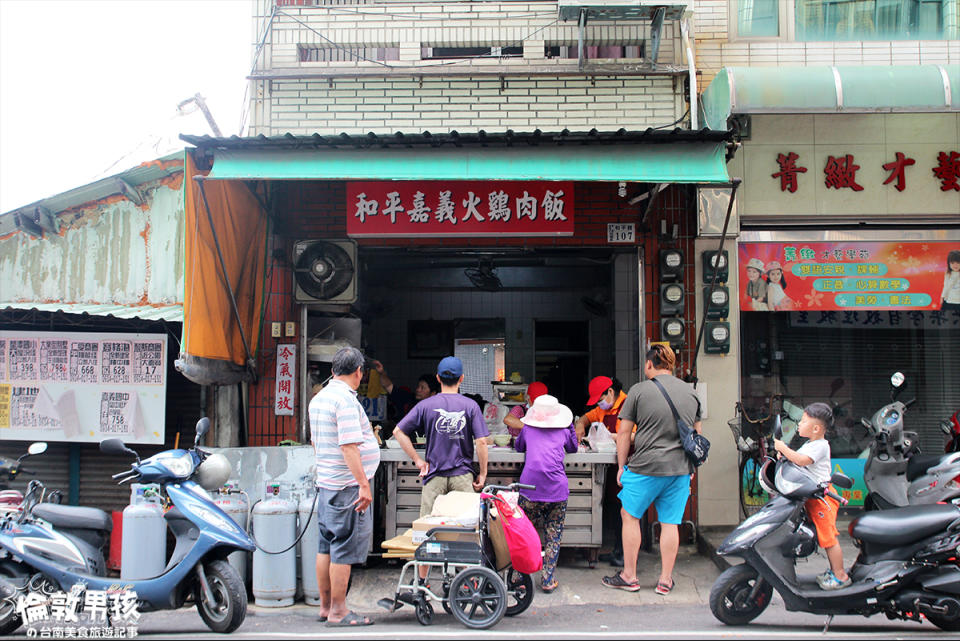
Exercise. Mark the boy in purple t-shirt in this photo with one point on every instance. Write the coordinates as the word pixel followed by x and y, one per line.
pixel 452 423
pixel 547 435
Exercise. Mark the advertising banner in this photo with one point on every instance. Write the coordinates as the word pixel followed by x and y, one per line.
pixel 79 387
pixel 821 276
pixel 459 208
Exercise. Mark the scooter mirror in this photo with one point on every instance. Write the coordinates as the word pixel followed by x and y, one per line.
pixel 37 448
pixel 113 446
pixel 897 379
pixel 835 386
pixel 841 480
pixel 203 426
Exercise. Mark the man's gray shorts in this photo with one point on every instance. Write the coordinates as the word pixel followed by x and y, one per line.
pixel 344 532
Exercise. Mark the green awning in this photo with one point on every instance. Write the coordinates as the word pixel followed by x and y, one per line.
pixel 878 89
pixel 680 162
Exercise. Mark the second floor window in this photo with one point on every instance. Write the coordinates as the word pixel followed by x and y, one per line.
pixel 838 20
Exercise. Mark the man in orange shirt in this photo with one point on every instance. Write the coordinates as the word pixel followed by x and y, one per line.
pixel 608 396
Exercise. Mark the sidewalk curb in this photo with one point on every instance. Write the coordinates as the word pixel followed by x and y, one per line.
pixel 707 547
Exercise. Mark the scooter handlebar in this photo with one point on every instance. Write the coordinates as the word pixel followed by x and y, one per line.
pixel 836 497
pixel 910 402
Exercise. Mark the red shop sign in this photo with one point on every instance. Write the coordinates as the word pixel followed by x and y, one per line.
pixel 459 208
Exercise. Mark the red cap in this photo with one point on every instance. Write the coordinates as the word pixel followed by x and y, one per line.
pixel 536 389
pixel 598 386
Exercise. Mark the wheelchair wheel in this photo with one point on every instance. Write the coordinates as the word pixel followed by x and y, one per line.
pixel 519 592
pixel 478 598
pixel 424 612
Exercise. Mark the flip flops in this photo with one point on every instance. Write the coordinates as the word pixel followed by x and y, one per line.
pixel 351 620
pixel 616 581
pixel 550 587
pixel 664 588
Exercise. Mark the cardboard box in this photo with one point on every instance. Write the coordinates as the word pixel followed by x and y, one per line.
pixel 423 525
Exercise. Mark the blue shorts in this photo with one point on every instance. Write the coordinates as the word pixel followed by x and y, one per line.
pixel 668 493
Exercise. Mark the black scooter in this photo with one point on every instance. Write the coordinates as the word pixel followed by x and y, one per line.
pixel 907 566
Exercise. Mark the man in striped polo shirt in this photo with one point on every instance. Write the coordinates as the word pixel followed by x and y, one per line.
pixel 347 456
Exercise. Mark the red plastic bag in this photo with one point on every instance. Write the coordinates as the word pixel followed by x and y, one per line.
pixel 522 538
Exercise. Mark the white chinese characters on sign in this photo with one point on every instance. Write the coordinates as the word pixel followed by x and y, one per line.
pixel 286 366
pixel 445 209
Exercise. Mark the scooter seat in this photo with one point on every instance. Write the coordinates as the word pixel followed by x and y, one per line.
pixel 917 466
pixel 903 525
pixel 74 517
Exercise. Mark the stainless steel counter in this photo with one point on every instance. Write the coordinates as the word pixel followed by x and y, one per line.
pixel 586 474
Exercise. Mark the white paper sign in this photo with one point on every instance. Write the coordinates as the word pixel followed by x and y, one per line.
pixel 83 387
pixel 286 366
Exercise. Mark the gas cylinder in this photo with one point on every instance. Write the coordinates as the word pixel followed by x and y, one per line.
pixel 143 547
pixel 275 528
pixel 308 546
pixel 235 506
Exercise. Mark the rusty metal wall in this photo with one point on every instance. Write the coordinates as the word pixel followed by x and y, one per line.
pixel 108 251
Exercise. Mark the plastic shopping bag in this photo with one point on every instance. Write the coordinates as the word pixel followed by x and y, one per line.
pixel 600 438
pixel 522 538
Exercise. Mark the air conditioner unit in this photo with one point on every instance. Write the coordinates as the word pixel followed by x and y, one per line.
pixel 325 271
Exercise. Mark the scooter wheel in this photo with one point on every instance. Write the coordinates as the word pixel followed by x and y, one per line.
pixel 730 598
pixel 229 607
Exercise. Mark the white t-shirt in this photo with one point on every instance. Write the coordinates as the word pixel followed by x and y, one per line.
pixel 819 451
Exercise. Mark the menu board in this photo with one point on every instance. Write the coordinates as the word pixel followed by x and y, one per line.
pixel 71 386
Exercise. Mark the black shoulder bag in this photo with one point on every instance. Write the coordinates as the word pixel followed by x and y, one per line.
pixel 694 444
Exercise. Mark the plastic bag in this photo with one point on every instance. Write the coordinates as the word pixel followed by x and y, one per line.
pixel 521 537
pixel 600 438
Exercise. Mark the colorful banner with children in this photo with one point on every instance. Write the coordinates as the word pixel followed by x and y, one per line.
pixel 805 276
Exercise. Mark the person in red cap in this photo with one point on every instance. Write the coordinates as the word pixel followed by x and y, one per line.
pixel 512 420
pixel 608 396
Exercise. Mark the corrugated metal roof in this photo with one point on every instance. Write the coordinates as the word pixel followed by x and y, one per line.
pixel 821 89
pixel 173 313
pixel 143 173
pixel 454 138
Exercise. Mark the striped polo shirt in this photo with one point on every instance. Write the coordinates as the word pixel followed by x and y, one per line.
pixel 337 418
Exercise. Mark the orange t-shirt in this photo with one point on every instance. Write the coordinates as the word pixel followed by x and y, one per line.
pixel 610 417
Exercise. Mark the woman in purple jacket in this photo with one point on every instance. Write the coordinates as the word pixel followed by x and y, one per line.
pixel 547 435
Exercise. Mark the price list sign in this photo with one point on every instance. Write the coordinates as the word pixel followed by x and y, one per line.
pixel 54 360
pixel 115 362
pixel 83 387
pixel 84 360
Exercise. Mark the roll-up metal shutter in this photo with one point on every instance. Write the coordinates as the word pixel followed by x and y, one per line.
pixel 52 468
pixel 863 359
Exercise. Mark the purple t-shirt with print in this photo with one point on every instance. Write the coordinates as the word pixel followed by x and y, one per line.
pixel 543 463
pixel 451 423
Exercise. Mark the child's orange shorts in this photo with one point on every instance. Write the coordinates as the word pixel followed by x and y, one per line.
pixel 823 512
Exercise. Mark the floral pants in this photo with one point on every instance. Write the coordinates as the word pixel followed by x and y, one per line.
pixel 548 518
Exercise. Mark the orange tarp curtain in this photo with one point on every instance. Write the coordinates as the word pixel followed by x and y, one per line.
pixel 210 327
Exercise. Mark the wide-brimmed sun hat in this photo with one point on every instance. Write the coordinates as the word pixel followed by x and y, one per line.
pixel 547 411
pixel 755 263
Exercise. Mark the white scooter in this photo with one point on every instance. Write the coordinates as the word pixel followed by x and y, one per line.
pixel 896 475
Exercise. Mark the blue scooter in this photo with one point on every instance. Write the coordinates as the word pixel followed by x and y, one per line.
pixel 50 547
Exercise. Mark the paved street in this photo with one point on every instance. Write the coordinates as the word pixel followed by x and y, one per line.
pixel 580 608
